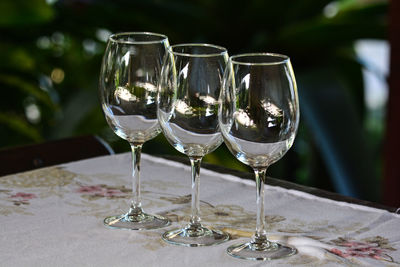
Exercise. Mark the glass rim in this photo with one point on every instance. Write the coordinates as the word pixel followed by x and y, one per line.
pixel 222 49
pixel 113 36
pixel 283 59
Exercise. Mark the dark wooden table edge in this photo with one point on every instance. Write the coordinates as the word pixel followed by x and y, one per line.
pixel 285 184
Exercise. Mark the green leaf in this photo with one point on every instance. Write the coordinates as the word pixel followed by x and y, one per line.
pixel 39 94
pixel 20 13
pixel 350 24
pixel 20 125
pixel 17 58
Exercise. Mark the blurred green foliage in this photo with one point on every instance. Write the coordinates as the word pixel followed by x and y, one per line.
pixel 51 53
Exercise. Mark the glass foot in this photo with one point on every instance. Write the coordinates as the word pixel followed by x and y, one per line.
pixel 267 251
pixel 195 236
pixel 142 221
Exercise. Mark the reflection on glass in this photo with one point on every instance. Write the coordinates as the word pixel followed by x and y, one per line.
pixel 259 116
pixel 128 89
pixel 188 114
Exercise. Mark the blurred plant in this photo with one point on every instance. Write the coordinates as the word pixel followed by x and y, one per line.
pixel 51 52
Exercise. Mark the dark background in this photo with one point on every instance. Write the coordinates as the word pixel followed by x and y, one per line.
pixel 50 55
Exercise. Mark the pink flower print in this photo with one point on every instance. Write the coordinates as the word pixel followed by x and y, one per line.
pixel 22 198
pixel 361 250
pixel 90 189
pixel 112 193
pixel 100 191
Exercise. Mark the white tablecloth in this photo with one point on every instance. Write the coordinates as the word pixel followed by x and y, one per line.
pixel 53 217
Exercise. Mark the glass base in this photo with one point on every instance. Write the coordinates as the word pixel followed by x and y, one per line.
pixel 266 251
pixel 142 221
pixel 195 236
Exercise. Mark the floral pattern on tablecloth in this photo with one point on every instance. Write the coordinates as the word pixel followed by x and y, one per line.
pixel 95 195
pixel 93 192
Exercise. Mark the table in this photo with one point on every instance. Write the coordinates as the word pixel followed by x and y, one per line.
pixel 53 217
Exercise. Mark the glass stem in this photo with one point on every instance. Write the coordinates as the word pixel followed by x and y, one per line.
pixel 260 236
pixel 136 205
pixel 195 217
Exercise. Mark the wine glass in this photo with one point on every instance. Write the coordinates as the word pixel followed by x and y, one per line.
pixel 258 116
pixel 188 115
pixel 129 76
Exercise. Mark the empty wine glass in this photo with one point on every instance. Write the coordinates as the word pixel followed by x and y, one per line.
pixel 129 76
pixel 188 114
pixel 259 116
